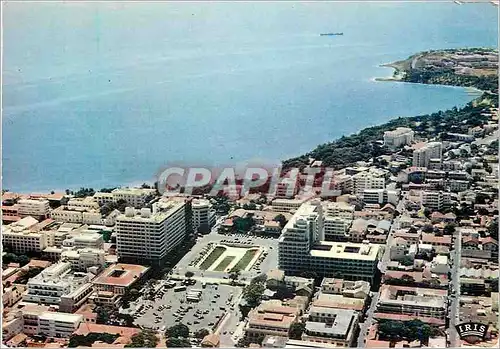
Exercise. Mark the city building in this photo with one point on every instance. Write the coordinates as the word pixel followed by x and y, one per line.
pixel 302 247
pixel 147 237
pixel 412 301
pixel 436 200
pixel 398 137
pixel 423 153
pixel 55 282
pixel 329 325
pixel 135 197
pixel 287 205
pixel 270 318
pixel 38 209
pixel 82 259
pixel 367 180
pixel 21 236
pixel 203 215
pixel 112 283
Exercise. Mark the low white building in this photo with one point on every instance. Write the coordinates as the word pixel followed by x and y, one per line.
pixel 33 207
pixel 20 237
pixel 398 137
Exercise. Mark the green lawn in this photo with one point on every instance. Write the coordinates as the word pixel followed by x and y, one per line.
pixel 212 257
pixel 225 262
pixel 247 258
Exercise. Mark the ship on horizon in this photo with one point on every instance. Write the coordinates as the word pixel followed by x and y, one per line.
pixel 330 34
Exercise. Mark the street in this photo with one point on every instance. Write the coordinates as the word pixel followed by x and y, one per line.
pixel 454 310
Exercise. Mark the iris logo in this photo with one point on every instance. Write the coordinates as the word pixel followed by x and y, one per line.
pixel 472 332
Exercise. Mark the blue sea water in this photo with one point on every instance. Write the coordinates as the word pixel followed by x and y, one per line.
pixel 100 94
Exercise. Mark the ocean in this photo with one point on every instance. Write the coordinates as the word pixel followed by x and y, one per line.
pixel 105 94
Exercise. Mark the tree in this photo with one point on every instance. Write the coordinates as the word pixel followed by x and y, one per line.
pixel 428 228
pixel 177 331
pixel 281 219
pixel 449 229
pixel 296 330
pixel 407 261
pixel 178 343
pixel 200 334
pixel 89 339
pixel 253 293
pixel 408 279
pixel 189 274
pixel 235 274
pixel 145 339
pixel 493 229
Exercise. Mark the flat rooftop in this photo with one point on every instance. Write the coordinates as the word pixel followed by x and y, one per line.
pixel 121 274
pixel 342 250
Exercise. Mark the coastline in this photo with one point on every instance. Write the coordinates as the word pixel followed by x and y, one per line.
pixel 472 91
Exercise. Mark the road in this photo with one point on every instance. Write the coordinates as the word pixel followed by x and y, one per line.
pixel 364 327
pixel 454 311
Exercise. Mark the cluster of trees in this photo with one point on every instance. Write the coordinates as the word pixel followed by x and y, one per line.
pixel 77 340
pixel 408 330
pixel 252 293
pixel 362 146
pixel 109 207
pixel 296 330
pixel 14 258
pixel 177 336
pixel 81 193
pixel 145 339
pixel 281 219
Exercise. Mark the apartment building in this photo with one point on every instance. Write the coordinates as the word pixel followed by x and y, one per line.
pixel 147 236
pixel 412 301
pixel 57 281
pixel 425 152
pixel 103 198
pixel 381 196
pixel 203 215
pixel 287 205
pixel 352 261
pixel 367 180
pixel 436 200
pixel 338 218
pixel 87 202
pixel 270 318
pixel 333 326
pixel 21 238
pixel 33 207
pixel 343 183
pixel 85 258
pixel 83 215
pixel 398 137
pixel 287 188
pixel 58 325
pixel 298 236
pixel 302 247
pixel 135 197
pixel 86 239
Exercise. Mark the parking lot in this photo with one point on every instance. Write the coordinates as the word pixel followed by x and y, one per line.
pixel 171 307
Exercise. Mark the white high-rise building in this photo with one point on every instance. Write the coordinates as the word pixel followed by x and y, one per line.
pixel 423 155
pixel 34 208
pixel 398 137
pixel 301 247
pixel 298 236
pixel 338 219
pixel 203 215
pixel 436 200
pixel 365 180
pixel 145 236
